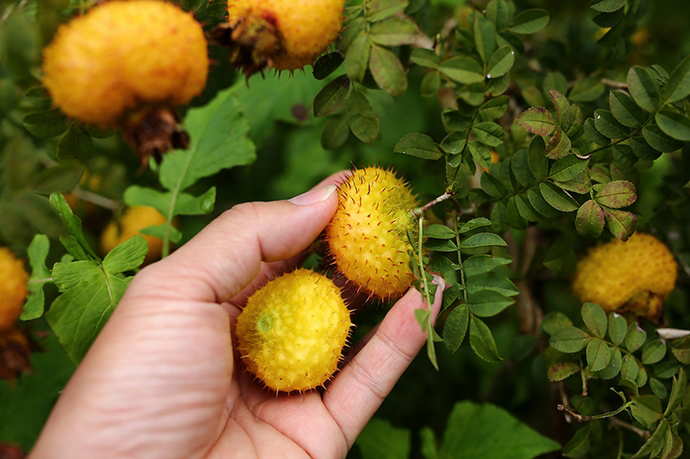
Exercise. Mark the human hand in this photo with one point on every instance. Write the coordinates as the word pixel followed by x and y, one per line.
pixel 162 379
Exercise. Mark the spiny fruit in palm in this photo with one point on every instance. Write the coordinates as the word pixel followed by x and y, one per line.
pixel 279 34
pixel 292 331
pixel 368 235
pixel 128 64
pixel 635 275
pixel 13 288
pixel 130 224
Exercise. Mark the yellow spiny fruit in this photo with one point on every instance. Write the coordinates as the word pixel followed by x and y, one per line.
pixel 129 225
pixel 13 289
pixel 121 55
pixel 292 331
pixel 127 64
pixel 637 275
pixel 281 34
pixel 368 234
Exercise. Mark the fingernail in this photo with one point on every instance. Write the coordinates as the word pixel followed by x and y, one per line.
pixel 313 196
pixel 438 280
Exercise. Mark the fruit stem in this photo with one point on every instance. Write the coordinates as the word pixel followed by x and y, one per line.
pixel 420 211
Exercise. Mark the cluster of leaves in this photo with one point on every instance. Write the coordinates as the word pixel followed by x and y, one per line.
pixel 613 350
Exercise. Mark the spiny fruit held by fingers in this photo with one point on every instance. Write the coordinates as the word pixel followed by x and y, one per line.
pixel 635 275
pixel 279 34
pixel 135 219
pixel 292 331
pixel 368 234
pixel 128 64
pixel 13 290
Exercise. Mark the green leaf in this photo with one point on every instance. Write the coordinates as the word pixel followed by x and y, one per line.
pixel 625 110
pixel 455 327
pixel 357 57
pixel 47 124
pixel 394 31
pixel 674 124
pixel 586 90
pixel 569 339
pixel 613 368
pixel 81 250
pixel 559 146
pixel 484 37
pixel 487 431
pixel 635 337
pixel 616 194
pixel 579 445
pixel 500 13
pixel 327 64
pixel 335 132
pixel 430 84
pixel 599 354
pixel 441 245
pixel 35 301
pixel 463 70
pixel 60 177
pixel 562 106
pixel 658 388
pixel 489 133
pixel 530 21
pixel 524 208
pixel 482 341
pixel 381 440
pixel 678 85
pixel 425 58
pixel 454 143
pixel 78 315
pixel 643 88
pixel 332 96
pixel 419 145
pixel 501 62
pixel 127 256
pixel 653 352
pixel 622 224
pixel 629 367
pixel 473 224
pixel 678 389
pixel 681 350
pixel 557 198
pixel 439 232
pixel 480 240
pixel 219 140
pixel 519 165
pixel 491 185
pixel 595 319
pixel 567 168
pixel 594 135
pixel 656 138
pixel 493 108
pixel 653 444
pixel 185 204
pixel 387 71
pixel 536 120
pixel 76 143
pixel 618 328
pixel 590 219
pixel 538 163
pixel 646 409
pixel 361 117
pixel 480 152
pixel 607 6
pixel 608 126
pixel 479 264
pixel 539 203
pixel 378 10
pixel 487 303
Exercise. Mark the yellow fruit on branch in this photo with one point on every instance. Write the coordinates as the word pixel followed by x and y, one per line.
pixel 635 275
pixel 127 64
pixel 13 288
pixel 292 331
pixel 135 219
pixel 280 34
pixel 367 237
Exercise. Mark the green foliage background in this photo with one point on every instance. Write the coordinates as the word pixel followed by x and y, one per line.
pixel 517 230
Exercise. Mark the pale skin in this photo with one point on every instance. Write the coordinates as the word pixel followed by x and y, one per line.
pixel 163 379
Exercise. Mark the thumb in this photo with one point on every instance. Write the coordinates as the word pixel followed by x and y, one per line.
pixel 226 255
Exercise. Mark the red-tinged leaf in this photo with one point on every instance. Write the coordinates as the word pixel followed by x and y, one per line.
pixel 559 145
pixel 617 194
pixel 536 120
pixel 621 223
pixel 560 102
pixel 590 219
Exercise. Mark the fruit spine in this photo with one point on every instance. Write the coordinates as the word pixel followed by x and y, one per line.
pixel 368 236
pixel 292 331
